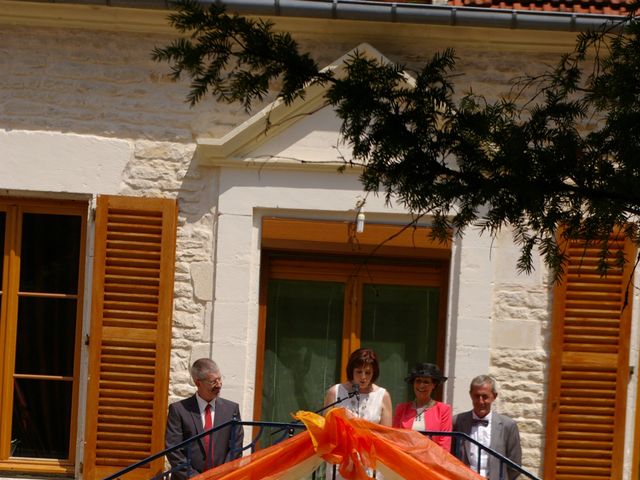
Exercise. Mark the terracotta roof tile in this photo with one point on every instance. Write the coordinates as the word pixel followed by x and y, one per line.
pixel 602 7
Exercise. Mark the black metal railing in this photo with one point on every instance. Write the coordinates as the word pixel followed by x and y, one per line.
pixel 280 431
pixel 458 442
pixel 283 430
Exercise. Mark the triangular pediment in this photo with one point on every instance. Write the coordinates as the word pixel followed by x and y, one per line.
pixel 305 132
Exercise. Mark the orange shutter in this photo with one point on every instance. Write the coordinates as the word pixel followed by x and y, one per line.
pixel 130 339
pixel 589 370
pixel 635 463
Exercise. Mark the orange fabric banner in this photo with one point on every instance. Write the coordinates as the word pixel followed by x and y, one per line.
pixel 356 445
pixel 274 462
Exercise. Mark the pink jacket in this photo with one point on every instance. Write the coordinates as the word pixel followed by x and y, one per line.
pixel 436 419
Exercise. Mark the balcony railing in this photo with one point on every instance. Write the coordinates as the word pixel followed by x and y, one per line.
pixel 278 431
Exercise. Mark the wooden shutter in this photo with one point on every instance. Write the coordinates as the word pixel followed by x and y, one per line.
pixel 635 460
pixel 589 370
pixel 130 337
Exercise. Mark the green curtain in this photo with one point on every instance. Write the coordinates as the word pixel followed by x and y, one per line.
pixel 304 337
pixel 400 323
pixel 302 346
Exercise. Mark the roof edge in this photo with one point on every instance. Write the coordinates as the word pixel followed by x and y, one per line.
pixel 123 16
pixel 361 10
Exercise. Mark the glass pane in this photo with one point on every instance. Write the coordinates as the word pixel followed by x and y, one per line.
pixel 46 336
pixel 400 323
pixel 50 253
pixel 302 346
pixel 41 418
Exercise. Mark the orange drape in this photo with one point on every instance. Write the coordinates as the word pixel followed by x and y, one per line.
pixel 352 443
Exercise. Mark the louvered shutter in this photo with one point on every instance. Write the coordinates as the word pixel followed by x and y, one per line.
pixel 130 337
pixel 589 371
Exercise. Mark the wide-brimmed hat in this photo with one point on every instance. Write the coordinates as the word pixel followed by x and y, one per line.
pixel 425 370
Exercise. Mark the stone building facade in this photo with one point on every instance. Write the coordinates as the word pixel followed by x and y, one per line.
pixel 85 112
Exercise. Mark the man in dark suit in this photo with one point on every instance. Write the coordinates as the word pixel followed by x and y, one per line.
pixel 200 412
pixel 498 432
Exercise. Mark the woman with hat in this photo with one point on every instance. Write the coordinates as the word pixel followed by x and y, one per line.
pixel 424 413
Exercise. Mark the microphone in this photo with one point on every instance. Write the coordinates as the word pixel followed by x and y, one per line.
pixel 356 390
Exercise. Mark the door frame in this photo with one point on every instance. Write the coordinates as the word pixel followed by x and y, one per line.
pixel 340 240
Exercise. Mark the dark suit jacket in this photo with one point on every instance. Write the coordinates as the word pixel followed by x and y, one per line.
pixel 184 421
pixel 505 439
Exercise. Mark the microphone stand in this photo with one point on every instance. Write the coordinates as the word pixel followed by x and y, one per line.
pixel 354 393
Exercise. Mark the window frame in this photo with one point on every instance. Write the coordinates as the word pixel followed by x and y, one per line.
pixel 15 208
pixel 381 246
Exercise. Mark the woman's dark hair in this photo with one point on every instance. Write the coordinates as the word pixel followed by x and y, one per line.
pixel 359 359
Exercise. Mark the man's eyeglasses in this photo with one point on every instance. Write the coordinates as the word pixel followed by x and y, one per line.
pixel 212 383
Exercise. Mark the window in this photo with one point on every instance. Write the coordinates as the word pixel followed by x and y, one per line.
pixel 40 328
pixel 316 308
pixel 41 325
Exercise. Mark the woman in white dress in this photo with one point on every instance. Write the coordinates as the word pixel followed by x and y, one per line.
pixel 372 402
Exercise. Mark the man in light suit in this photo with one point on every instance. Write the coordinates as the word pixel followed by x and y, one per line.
pixel 190 416
pixel 498 432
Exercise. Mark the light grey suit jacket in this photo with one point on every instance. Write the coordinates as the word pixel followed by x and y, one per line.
pixel 184 421
pixel 505 439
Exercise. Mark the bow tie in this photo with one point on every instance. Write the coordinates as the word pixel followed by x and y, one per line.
pixel 477 421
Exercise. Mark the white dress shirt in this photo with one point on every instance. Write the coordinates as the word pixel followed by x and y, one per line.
pixel 202 404
pixel 481 434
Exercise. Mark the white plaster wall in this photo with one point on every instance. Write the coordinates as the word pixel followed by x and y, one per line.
pixel 312 139
pixel 519 345
pixel 469 335
pixel 56 162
